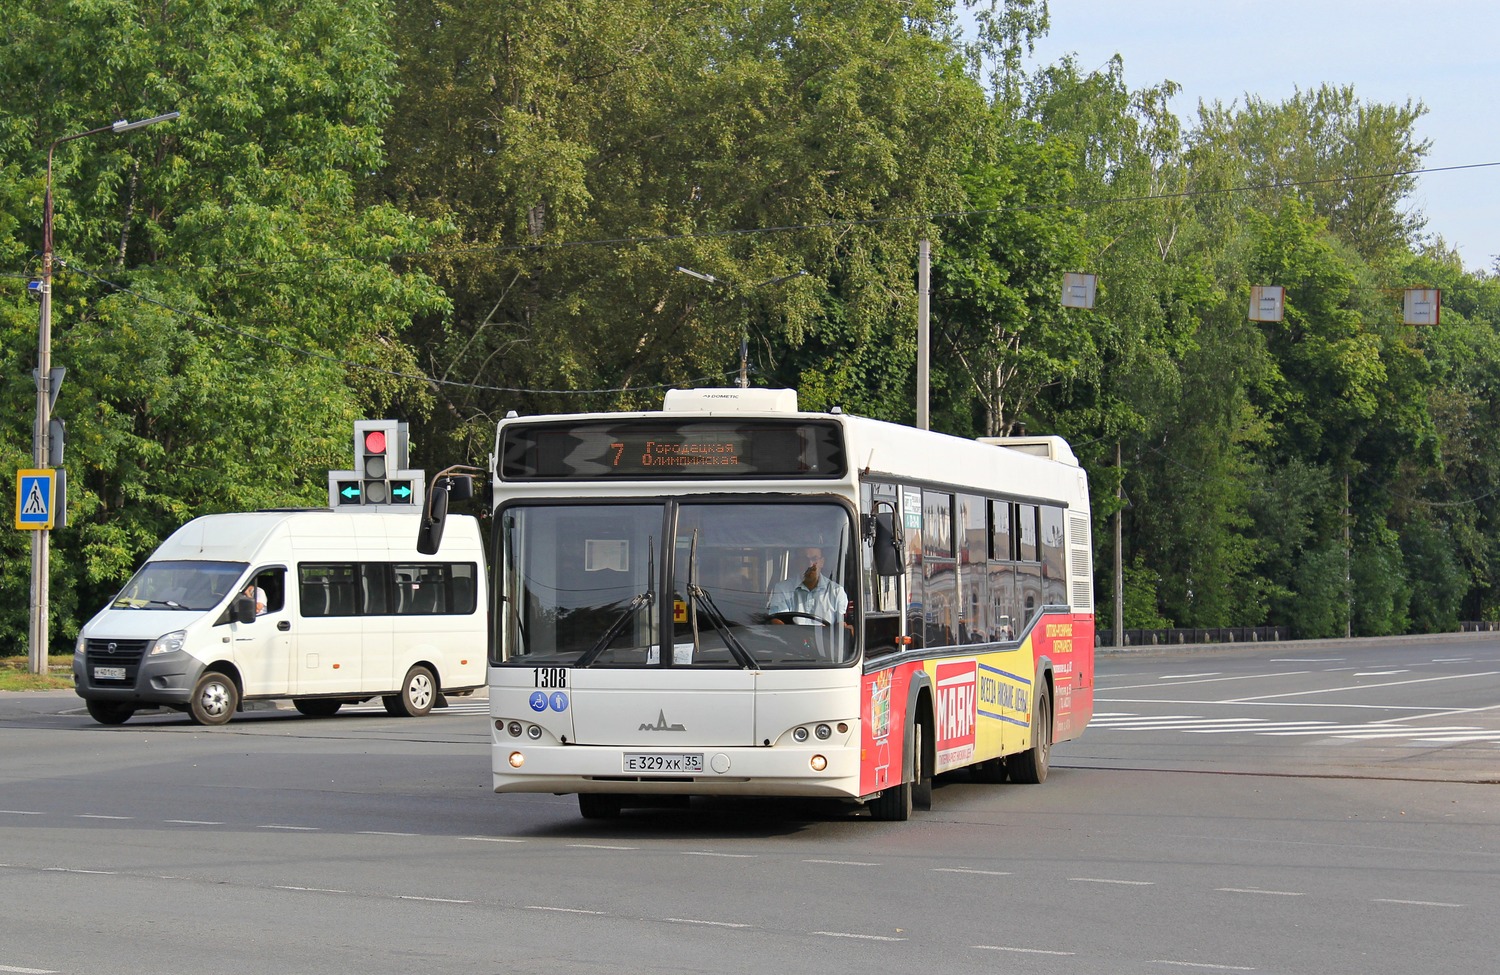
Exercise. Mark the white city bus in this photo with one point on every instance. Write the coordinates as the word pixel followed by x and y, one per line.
pixel 649 638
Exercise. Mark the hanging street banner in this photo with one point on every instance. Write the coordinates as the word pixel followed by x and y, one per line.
pixel 35 495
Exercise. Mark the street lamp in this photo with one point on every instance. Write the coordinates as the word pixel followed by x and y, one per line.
pixel 743 294
pixel 46 392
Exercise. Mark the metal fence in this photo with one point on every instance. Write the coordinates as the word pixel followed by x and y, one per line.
pixel 1191 634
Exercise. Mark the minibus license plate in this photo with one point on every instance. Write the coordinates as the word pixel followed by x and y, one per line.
pixel 679 762
pixel 109 673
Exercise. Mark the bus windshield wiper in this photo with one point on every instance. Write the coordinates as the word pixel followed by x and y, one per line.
pixel 696 595
pixel 716 619
pixel 640 599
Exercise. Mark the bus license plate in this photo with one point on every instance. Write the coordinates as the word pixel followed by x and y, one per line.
pixel 678 762
pixel 109 673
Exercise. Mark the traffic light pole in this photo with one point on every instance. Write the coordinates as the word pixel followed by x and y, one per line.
pixel 41 548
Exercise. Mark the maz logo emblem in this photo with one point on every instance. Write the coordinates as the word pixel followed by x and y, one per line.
pixel 661 724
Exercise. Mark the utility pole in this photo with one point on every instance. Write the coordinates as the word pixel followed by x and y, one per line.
pixel 46 392
pixel 744 302
pixel 1119 552
pixel 924 351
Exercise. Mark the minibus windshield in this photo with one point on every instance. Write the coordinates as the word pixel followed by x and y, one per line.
pixel 180 585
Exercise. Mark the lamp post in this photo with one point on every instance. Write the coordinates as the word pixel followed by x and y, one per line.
pixel 46 392
pixel 743 294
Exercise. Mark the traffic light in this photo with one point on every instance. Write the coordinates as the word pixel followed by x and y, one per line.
pixel 375 445
pixel 380 477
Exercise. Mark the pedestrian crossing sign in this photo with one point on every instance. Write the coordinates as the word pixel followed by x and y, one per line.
pixel 35 495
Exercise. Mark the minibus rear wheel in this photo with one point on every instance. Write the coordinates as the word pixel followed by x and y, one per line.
pixel 418 694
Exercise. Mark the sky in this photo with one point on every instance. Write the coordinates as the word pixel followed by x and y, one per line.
pixel 1442 53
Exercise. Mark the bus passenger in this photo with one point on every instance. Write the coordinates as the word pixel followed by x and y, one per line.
pixel 814 598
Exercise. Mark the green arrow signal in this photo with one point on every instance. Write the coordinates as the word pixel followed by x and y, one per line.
pixel 351 492
pixel 402 491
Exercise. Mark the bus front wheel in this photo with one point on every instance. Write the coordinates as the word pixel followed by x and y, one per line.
pixel 599 805
pixel 894 805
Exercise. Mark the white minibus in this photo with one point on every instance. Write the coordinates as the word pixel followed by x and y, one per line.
pixel 351 612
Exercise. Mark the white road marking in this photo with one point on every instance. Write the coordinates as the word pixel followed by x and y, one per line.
pixel 192 822
pixel 1103 880
pixel 309 890
pixel 103 873
pixel 1024 951
pixel 1380 673
pixel 493 839
pixel 296 829
pixel 1363 687
pixel 987 873
pixel 430 900
pixel 861 937
pixel 1214 673
pixel 381 832
pixel 1213 680
pixel 19 812
pixel 1199 964
pixel 1392 900
pixel 1258 890
pixel 731 856
pixel 600 846
pixel 98 816
pixel 844 863
pixel 713 924
pixel 27 971
pixel 562 910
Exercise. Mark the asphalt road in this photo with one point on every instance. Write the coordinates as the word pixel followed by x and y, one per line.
pixel 1312 809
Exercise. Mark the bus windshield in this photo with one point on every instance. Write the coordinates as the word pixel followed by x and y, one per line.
pixel 755 586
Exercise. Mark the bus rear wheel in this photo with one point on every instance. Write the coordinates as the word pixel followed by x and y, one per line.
pixel 1031 765
pixel 109 712
pixel 418 694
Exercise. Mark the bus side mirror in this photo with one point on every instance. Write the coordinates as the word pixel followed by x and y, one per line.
pixel 242 610
pixel 430 534
pixel 887 545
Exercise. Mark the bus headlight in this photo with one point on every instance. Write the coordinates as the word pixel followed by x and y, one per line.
pixel 534 732
pixel 818 763
pixel 822 731
pixel 517 759
pixel 514 728
pixel 799 734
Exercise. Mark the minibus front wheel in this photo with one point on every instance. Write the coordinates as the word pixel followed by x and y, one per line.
pixel 109 712
pixel 215 699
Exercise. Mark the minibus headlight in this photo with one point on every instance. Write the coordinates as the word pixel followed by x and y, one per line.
pixel 170 642
pixel 82 645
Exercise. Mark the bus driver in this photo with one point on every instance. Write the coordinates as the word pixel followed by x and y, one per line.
pixel 811 600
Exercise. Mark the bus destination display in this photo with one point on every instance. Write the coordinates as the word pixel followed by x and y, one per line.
pixel 605 450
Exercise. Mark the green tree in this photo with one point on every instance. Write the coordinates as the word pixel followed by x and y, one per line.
pixel 224 310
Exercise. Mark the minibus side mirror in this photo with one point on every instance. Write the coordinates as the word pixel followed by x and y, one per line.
pixel 242 610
